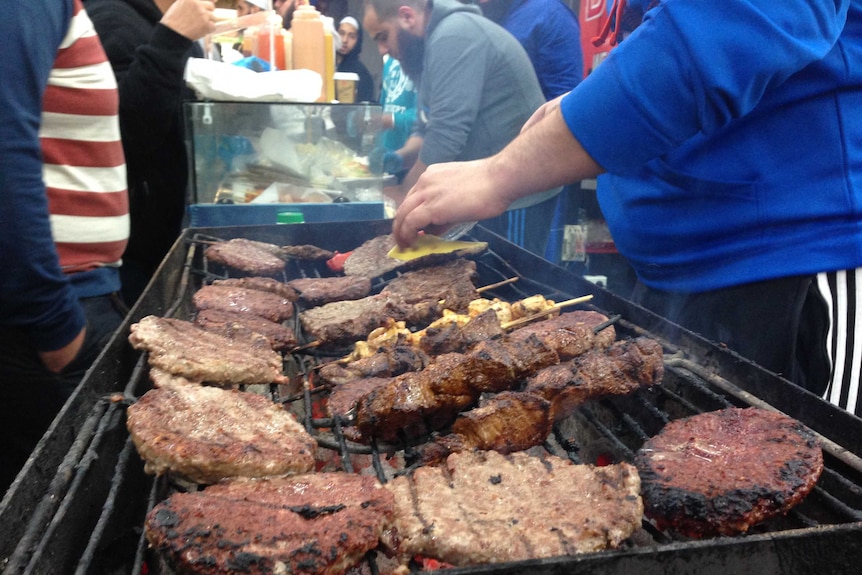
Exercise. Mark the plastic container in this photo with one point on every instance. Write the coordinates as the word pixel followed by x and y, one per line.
pixel 266 49
pixel 309 43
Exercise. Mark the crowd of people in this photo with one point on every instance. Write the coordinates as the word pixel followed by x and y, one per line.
pixel 733 188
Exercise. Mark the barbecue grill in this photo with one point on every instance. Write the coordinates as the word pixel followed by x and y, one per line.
pixel 78 505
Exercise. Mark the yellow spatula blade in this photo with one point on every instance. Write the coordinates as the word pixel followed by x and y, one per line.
pixel 427 244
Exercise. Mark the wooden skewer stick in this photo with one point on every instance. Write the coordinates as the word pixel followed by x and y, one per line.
pixel 309 345
pixel 544 312
pixel 496 285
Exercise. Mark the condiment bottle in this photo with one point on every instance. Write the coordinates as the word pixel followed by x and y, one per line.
pixel 266 49
pixel 329 47
pixel 309 43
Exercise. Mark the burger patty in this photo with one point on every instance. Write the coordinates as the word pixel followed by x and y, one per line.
pixel 316 524
pixel 230 324
pixel 720 473
pixel 205 434
pixel 244 300
pixel 249 256
pixel 484 507
pixel 319 291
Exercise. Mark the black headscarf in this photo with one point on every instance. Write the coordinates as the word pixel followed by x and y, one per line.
pixel 350 63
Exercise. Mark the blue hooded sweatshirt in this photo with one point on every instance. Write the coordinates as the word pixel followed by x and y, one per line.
pixel 732 135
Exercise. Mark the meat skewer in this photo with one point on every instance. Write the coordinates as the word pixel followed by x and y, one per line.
pixel 515 421
pixel 417 403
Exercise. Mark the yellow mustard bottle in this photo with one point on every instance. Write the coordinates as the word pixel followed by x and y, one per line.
pixel 309 43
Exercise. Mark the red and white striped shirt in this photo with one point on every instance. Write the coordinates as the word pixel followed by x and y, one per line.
pixel 84 166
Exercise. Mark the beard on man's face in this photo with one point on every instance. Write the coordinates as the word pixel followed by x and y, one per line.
pixel 411 53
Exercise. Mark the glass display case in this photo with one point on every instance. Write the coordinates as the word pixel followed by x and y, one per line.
pixel 264 154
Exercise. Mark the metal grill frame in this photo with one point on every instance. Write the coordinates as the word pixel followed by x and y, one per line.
pixel 78 503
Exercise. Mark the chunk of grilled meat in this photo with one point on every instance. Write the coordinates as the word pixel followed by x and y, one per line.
pixel 306 252
pixel 416 403
pixel 243 300
pixel 205 434
pixel 248 256
pixel 386 363
pixel 319 291
pixel 483 507
pixel 343 322
pixel 571 334
pixel 269 285
pixel 233 324
pixel 316 524
pixel 184 349
pixel 517 421
pixel 619 370
pixel 722 472
pixel 507 422
pixel 452 282
pixel 454 337
pixel 372 260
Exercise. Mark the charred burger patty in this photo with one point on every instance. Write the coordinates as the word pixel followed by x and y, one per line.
pixel 719 473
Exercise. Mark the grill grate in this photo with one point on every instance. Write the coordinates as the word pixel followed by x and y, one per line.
pixel 89 518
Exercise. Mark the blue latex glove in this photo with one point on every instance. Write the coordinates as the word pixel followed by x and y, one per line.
pixel 381 160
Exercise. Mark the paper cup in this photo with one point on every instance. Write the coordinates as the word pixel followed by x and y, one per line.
pixel 345 86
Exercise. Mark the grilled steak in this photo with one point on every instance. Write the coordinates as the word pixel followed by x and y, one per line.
pixel 249 256
pixel 484 507
pixel 371 259
pixel 722 472
pixel 243 300
pixel 344 322
pixel 319 291
pixel 205 434
pixel 237 324
pixel 316 524
pixel 451 281
pixel 182 348
pixel 261 284
pixel 306 252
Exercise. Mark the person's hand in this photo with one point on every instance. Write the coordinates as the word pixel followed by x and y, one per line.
pixel 544 110
pixel 383 161
pixel 448 194
pixel 361 122
pixel 193 19
pixel 56 360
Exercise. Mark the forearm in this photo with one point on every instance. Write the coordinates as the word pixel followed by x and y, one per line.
pixel 542 157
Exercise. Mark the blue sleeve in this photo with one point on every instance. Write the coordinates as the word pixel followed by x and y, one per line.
pixel 692 67
pixel 34 293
